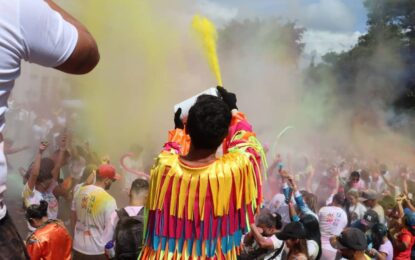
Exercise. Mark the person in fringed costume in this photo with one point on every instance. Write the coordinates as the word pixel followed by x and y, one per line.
pixel 200 205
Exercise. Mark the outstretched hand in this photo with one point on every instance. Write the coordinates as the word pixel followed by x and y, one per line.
pixel 63 142
pixel 178 123
pixel 228 97
pixel 43 146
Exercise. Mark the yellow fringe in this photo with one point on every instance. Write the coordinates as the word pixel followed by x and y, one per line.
pixel 231 169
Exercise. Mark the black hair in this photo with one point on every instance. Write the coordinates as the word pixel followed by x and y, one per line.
pixel 270 220
pixel 45 171
pixel 37 211
pixel 312 230
pixel 87 171
pixel 208 122
pixel 355 174
pixel 379 231
pixel 139 185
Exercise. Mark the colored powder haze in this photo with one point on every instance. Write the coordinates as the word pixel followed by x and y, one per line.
pixel 151 61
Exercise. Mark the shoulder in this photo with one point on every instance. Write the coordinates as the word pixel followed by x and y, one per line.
pixel 32 239
pixel 312 248
pixel 235 158
pixel 276 242
pixel 386 247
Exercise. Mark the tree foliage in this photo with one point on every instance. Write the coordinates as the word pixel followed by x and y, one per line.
pixel 381 66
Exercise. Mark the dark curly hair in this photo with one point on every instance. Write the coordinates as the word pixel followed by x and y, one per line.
pixel 37 211
pixel 208 122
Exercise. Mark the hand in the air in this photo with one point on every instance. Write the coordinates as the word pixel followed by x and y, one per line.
pixel 228 97
pixel 43 146
pixel 177 120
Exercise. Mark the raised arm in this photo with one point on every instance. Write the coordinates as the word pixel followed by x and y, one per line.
pixel 35 169
pixel 61 157
pixel 178 140
pixel 241 137
pixel 85 55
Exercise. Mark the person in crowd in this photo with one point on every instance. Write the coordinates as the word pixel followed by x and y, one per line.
pixel 376 181
pixel 132 166
pixel 293 234
pixel 382 248
pixel 42 183
pixel 128 222
pixel 403 232
pixel 370 218
pixel 180 175
pixel 93 209
pixel 329 184
pixel 355 209
pixel 306 216
pixel 333 219
pixel 351 244
pixel 306 203
pixel 87 178
pixel 313 236
pixel 354 182
pixel 63 43
pixel 279 205
pixel 50 240
pixel 268 246
pixel 370 200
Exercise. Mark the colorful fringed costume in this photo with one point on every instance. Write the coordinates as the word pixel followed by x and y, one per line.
pixel 202 212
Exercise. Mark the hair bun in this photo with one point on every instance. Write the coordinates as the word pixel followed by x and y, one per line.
pixel 43 206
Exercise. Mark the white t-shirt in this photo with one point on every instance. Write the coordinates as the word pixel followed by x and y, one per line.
pixel 277 244
pixel 29 30
pixel 332 222
pixel 381 212
pixel 94 208
pixel 31 197
pixel 388 249
pixel 357 211
pixel 312 249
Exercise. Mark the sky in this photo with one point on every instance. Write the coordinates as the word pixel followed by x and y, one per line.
pixel 332 25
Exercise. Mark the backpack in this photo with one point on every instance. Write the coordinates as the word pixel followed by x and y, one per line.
pixel 128 235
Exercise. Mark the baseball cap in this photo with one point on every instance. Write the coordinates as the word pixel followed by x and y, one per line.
pixel 350 238
pixel 108 171
pixel 370 218
pixel 292 230
pixel 369 195
pixel 409 217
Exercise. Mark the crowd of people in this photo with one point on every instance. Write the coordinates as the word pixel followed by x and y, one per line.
pixel 197 202
pixel 330 206
pixel 358 213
